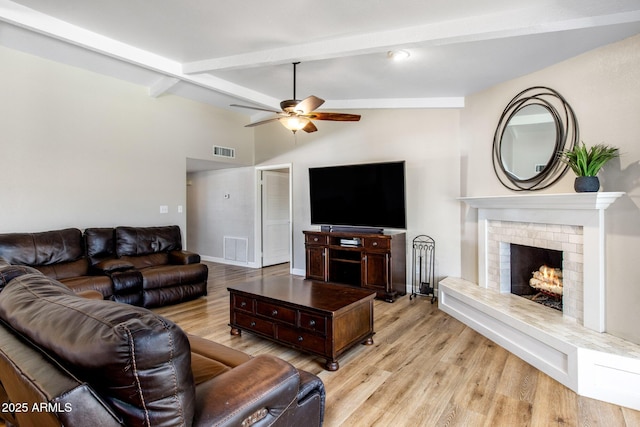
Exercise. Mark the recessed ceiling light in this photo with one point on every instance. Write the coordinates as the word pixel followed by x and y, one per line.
pixel 398 55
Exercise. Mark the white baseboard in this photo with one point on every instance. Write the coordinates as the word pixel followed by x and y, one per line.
pixel 228 262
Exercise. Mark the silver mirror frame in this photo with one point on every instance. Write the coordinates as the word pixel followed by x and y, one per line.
pixel 567 135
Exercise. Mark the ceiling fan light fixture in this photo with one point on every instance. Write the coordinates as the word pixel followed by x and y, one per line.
pixel 294 123
pixel 297 114
pixel 398 55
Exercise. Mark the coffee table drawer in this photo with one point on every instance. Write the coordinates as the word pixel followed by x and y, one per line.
pixel 302 339
pixel 243 303
pixel 276 312
pixel 254 324
pixel 313 322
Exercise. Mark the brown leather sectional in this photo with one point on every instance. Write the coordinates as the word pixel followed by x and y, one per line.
pixel 143 266
pixel 72 361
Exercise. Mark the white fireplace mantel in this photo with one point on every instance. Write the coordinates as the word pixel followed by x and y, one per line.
pixel 595 200
pixel 582 209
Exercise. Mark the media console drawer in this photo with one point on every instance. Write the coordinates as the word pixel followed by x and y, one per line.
pixel 377 243
pixel 316 239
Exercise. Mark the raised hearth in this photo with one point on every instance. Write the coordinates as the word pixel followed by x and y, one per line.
pixel 569 346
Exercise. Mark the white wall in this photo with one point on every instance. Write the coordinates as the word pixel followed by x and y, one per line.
pixel 79 149
pixel 426 139
pixel 212 216
pixel 603 88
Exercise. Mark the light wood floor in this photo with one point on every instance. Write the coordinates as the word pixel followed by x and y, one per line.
pixel 425 368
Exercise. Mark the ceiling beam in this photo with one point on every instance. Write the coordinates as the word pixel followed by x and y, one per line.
pixel 23 17
pixel 364 104
pixel 488 27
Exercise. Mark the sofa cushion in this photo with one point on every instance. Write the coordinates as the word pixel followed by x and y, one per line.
pixel 175 275
pixel 65 270
pixel 101 284
pixel 100 243
pixel 137 360
pixel 146 261
pixel 46 248
pixel 133 241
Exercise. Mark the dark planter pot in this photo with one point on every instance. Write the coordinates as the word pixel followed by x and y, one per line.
pixel 586 184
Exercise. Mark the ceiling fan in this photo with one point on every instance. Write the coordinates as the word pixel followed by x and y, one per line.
pixel 297 115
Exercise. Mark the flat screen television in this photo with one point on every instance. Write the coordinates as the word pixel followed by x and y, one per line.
pixel 361 195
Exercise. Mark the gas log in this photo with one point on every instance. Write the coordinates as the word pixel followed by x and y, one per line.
pixel 547 280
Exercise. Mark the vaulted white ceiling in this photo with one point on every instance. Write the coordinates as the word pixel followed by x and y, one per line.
pixel 241 51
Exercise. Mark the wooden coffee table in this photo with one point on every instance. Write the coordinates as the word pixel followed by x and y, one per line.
pixel 316 317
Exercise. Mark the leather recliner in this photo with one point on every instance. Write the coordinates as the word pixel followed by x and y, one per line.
pixel 136 265
pixel 67 360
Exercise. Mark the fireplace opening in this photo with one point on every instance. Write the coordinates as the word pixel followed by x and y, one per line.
pixel 536 274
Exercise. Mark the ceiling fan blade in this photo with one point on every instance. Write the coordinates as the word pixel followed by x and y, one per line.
pixel 309 104
pixel 255 108
pixel 310 127
pixel 261 122
pixel 337 117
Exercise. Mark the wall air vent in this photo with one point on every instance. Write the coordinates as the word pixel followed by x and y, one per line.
pixel 229 153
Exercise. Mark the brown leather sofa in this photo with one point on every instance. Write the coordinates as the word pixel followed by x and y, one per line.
pixel 137 265
pixel 67 360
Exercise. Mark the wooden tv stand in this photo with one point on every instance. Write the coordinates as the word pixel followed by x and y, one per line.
pixel 370 261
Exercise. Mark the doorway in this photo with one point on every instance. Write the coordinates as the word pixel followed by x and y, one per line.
pixel 274 192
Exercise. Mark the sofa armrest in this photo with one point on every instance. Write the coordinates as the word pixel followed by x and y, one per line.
pixel 10 272
pixel 183 257
pixel 261 389
pixel 111 265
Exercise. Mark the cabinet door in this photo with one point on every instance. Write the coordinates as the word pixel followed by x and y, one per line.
pixel 375 270
pixel 316 263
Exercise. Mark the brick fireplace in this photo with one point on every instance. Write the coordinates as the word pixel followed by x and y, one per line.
pixel 570 345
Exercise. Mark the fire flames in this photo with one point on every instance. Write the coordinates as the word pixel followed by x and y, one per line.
pixel 547 280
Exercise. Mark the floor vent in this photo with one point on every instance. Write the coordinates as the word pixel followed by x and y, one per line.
pixel 227 152
pixel 236 249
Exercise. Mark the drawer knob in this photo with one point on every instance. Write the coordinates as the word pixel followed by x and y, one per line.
pixel 243 304
pixel 315 239
pixel 375 243
pixel 274 313
pixel 253 324
pixel 300 339
pixel 312 322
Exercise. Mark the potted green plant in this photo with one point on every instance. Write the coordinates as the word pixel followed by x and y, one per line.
pixel 587 162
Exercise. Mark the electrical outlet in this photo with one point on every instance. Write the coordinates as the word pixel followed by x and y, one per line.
pixel 179 208
pixel 164 209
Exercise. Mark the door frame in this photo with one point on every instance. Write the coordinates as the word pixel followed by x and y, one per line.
pixel 258 212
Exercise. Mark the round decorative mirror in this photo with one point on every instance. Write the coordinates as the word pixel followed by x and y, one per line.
pixel 535 127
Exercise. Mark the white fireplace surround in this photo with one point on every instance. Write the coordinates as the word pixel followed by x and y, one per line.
pixel 585 210
pixel 570 347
